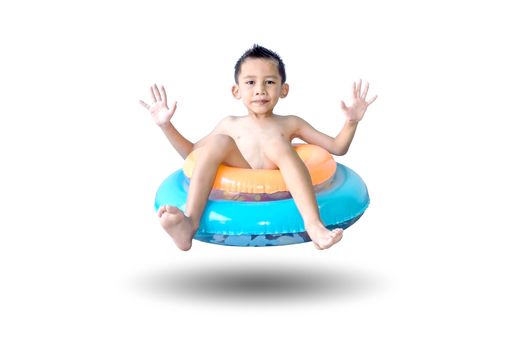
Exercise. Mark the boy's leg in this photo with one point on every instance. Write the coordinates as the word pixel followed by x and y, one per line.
pixel 299 184
pixel 182 226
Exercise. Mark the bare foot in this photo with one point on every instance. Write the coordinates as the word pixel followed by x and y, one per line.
pixel 177 225
pixel 322 237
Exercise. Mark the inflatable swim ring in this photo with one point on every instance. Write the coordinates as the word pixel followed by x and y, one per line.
pixel 239 214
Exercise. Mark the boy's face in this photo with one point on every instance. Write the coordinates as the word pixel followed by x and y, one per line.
pixel 259 85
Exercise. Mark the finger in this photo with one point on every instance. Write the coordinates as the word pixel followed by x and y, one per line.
pixel 343 105
pixel 359 87
pixel 144 104
pixel 372 100
pixel 157 93
pixel 173 109
pixel 365 91
pixel 355 91
pixel 163 95
pixel 153 94
pixel 162 210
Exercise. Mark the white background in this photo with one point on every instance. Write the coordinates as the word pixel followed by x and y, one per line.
pixel 436 262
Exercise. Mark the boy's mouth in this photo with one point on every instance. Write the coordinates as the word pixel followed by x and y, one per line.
pixel 261 102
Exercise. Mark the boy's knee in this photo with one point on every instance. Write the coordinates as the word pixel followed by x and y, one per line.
pixel 220 141
pixel 276 148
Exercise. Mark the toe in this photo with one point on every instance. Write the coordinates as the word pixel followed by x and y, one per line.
pixel 335 233
pixel 184 247
pixel 337 239
pixel 172 210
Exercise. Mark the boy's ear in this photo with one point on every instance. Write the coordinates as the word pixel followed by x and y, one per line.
pixel 284 90
pixel 235 92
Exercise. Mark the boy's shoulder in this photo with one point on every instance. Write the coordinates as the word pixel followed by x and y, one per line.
pixel 292 119
pixel 227 119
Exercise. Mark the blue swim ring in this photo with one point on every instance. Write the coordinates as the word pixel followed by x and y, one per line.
pixel 269 223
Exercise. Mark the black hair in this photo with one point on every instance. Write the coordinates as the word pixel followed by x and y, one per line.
pixel 258 51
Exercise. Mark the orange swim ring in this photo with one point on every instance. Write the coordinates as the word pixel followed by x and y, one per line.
pixel 320 164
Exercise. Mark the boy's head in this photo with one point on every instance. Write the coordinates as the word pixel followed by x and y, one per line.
pixel 260 80
pixel 260 52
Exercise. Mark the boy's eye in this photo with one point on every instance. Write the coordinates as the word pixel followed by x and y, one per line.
pixel 250 82
pixel 270 82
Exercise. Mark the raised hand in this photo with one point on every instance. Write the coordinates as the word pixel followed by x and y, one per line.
pixel 357 109
pixel 159 110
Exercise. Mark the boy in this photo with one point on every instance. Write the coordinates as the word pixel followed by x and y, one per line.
pixel 259 140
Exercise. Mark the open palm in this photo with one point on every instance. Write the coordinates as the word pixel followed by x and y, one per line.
pixel 357 109
pixel 159 110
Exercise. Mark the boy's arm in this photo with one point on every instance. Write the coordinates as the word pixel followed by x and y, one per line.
pixel 353 115
pixel 181 144
pixel 335 145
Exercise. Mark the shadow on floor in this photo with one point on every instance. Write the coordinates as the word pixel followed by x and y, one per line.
pixel 258 282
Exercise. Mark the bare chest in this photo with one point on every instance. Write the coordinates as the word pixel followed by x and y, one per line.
pixel 252 139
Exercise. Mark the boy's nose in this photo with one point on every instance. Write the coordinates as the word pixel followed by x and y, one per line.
pixel 260 91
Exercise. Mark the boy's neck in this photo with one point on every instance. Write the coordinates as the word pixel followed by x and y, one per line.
pixel 260 116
